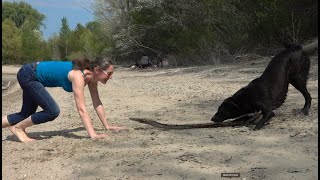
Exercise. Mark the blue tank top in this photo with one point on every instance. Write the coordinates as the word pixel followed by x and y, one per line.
pixel 54 74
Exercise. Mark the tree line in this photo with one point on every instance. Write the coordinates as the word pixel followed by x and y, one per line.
pixel 185 32
pixel 23 41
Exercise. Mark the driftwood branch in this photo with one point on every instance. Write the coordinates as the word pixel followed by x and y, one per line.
pixel 238 122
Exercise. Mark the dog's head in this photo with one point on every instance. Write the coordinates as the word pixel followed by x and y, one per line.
pixel 227 110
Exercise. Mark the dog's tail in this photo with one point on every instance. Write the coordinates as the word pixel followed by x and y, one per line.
pixel 293 46
pixel 311 47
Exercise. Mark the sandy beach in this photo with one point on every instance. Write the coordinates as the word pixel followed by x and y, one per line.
pixel 286 148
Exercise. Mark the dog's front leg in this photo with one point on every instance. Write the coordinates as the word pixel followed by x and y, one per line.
pixel 264 119
pixel 254 118
pixel 249 118
pixel 267 115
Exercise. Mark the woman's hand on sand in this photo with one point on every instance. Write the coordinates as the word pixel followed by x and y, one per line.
pixel 99 136
pixel 115 128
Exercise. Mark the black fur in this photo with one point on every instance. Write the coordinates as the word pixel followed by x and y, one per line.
pixel 269 91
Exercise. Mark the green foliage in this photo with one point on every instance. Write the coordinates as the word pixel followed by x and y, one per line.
pixel 11 42
pixel 74 37
pixel 53 47
pixel 198 32
pixel 21 11
pixel 64 30
pixel 87 40
pixel 75 54
pixel 277 21
pixel 22 39
pixel 64 35
pixel 185 32
pixel 32 45
pixel 89 47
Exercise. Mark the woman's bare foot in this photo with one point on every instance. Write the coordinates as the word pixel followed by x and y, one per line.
pixel 21 134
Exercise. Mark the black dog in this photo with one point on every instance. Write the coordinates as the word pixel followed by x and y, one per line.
pixel 269 91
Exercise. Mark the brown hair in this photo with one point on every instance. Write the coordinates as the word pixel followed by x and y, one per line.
pixel 81 63
pixel 101 62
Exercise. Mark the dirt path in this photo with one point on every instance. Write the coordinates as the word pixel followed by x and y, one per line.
pixel 287 148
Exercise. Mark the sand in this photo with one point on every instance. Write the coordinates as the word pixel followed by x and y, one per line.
pixel 286 148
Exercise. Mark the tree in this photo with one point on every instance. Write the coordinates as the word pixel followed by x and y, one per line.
pixel 28 39
pixel 74 37
pixel 103 42
pixel 11 42
pixel 53 46
pixel 200 32
pixel 21 11
pixel 87 39
pixel 32 45
pixel 64 36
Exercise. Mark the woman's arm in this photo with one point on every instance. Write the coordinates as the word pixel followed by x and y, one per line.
pixel 97 104
pixel 78 90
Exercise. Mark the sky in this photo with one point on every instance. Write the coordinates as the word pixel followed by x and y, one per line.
pixel 76 11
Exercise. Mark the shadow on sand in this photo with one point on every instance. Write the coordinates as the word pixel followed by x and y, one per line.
pixel 49 134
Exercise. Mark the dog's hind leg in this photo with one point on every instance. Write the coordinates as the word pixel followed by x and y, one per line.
pixel 300 83
pixel 298 79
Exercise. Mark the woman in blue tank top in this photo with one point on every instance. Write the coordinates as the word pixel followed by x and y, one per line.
pixel 72 77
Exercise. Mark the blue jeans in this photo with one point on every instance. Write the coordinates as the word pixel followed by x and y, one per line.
pixel 34 95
